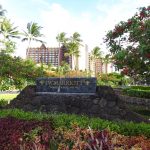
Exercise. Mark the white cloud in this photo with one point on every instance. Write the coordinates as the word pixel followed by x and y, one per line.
pixel 55 19
pixel 58 19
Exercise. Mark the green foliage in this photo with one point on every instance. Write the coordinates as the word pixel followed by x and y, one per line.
pixel 140 110
pixel 73 43
pixel 138 91
pixel 7 32
pixel 3 102
pixel 144 112
pixel 95 55
pixel 16 72
pixel 65 120
pixel 140 87
pixel 31 136
pixel 113 79
pixel 24 115
pixel 61 38
pixel 32 33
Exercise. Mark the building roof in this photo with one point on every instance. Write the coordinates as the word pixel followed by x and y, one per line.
pixel 43 46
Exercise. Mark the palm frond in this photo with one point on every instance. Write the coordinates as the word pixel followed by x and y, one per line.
pixel 24 39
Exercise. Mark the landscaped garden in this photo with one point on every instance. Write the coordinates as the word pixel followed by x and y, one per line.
pixel 24 130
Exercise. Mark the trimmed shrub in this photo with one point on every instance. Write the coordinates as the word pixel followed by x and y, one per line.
pixel 138 91
pixel 3 102
pixel 141 87
pixel 66 120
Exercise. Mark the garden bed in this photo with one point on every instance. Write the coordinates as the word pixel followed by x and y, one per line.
pixel 66 132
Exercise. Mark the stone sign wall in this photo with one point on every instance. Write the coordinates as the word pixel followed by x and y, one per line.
pixel 66 85
pixel 104 104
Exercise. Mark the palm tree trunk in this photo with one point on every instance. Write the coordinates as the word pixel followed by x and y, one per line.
pixel 76 67
pixel 59 55
pixel 28 47
pixel 95 69
pixel 106 67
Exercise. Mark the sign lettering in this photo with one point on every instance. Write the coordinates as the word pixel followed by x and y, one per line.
pixel 66 85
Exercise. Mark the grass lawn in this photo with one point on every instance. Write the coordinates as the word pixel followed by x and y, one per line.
pixel 7 97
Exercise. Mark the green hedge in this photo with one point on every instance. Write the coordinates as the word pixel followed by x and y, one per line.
pixel 138 91
pixel 141 87
pixel 65 120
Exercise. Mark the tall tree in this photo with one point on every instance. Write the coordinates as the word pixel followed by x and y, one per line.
pixel 106 60
pixel 62 40
pixel 72 52
pixel 2 11
pixel 129 43
pixel 73 47
pixel 15 71
pixel 7 29
pixel 8 32
pixel 32 33
pixel 95 55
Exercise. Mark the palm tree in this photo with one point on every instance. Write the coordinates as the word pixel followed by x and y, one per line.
pixel 61 39
pixel 76 38
pixel 106 60
pixel 72 51
pixel 96 54
pixel 2 11
pixel 66 67
pixel 7 31
pixel 75 43
pixel 32 34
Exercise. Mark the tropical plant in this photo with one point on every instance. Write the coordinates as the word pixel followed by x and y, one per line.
pixel 95 55
pixel 73 48
pixel 66 67
pixel 7 29
pixel 72 51
pixel 14 71
pixel 62 40
pixel 106 60
pixel 129 44
pixel 32 33
pixel 25 135
pixel 2 11
pixel 77 40
pixel 8 32
pixel 113 79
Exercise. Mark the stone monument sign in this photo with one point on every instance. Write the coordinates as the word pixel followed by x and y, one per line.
pixel 65 85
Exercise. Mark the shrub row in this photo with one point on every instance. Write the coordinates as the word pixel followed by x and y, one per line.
pixel 138 91
pixel 66 120
pixel 3 103
pixel 141 87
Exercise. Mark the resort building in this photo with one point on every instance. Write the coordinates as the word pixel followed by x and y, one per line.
pixel 98 67
pixel 83 58
pixel 56 56
pixel 47 55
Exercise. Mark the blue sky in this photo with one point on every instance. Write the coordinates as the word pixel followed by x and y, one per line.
pixel 91 18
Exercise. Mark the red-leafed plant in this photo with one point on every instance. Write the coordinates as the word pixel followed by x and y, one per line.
pixel 16 134
pixel 129 44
